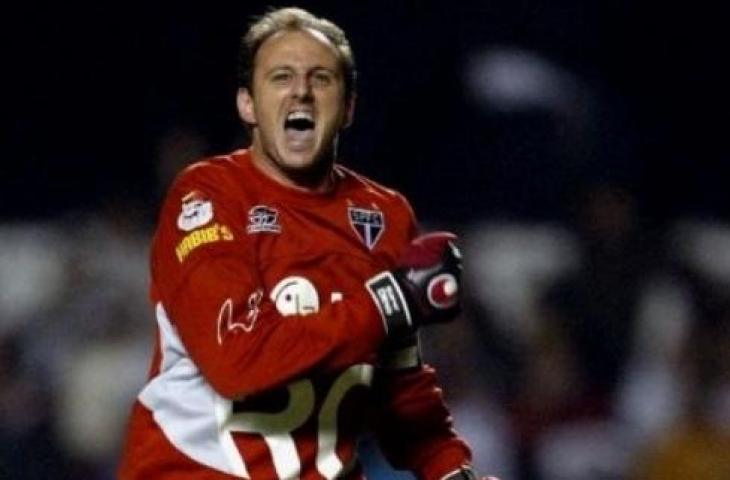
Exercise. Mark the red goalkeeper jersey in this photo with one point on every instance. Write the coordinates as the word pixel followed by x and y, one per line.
pixel 271 357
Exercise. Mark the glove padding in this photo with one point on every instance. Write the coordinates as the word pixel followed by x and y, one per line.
pixel 424 288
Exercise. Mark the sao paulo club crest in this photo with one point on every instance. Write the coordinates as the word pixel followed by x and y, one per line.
pixel 368 224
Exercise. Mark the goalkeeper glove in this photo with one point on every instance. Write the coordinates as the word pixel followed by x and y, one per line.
pixel 423 289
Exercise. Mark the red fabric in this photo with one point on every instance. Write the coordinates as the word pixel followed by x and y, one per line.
pixel 214 277
pixel 414 427
pixel 426 250
pixel 150 456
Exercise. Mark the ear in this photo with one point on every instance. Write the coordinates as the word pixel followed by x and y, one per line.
pixel 246 110
pixel 349 112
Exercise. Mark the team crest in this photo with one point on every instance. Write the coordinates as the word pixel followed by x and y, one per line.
pixel 368 224
pixel 196 211
pixel 263 219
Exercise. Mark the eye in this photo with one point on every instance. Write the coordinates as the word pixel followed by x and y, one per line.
pixel 322 78
pixel 280 77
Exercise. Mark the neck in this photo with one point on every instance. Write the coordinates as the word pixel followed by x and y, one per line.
pixel 317 178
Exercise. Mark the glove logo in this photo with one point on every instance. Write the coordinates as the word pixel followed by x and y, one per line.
pixel 295 296
pixel 442 291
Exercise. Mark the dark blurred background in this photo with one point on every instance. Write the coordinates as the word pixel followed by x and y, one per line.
pixel 578 147
pixel 631 92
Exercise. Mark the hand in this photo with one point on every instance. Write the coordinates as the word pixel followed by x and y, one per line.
pixel 424 288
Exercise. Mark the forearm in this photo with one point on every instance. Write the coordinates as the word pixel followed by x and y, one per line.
pixel 243 345
pixel 415 427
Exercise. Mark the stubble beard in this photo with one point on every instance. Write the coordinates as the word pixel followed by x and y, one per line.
pixel 312 176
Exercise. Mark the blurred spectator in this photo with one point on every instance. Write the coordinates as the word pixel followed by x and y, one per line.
pixel 577 359
pixel 28 448
pixel 100 333
pixel 690 450
pixel 572 331
pixel 594 310
pixel 30 278
pixel 607 346
pixel 74 341
pixel 697 443
pixel 464 369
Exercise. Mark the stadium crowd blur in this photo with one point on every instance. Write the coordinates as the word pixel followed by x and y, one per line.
pixel 570 145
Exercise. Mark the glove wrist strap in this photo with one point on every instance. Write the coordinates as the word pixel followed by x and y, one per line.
pixel 388 296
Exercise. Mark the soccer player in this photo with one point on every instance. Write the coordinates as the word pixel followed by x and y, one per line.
pixel 288 290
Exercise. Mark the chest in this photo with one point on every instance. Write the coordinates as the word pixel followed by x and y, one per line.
pixel 316 254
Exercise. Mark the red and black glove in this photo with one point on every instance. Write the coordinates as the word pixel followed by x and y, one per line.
pixel 424 288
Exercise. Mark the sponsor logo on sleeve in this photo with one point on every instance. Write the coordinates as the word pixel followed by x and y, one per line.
pixel 196 211
pixel 262 218
pixel 368 224
pixel 191 241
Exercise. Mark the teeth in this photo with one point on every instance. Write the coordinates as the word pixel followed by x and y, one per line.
pixel 300 116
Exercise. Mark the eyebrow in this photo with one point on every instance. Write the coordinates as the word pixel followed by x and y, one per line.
pixel 290 67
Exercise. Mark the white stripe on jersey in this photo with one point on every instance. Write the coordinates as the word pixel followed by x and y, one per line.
pixel 187 409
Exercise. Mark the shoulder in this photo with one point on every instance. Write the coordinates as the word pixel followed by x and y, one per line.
pixel 208 185
pixel 220 177
pixel 363 185
pixel 210 170
pixel 203 204
pixel 373 205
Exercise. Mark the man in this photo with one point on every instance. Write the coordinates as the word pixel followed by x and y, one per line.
pixel 288 291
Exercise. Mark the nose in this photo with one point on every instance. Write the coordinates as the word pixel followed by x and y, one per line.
pixel 302 87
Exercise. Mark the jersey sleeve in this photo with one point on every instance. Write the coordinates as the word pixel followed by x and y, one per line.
pixel 413 425
pixel 412 422
pixel 205 276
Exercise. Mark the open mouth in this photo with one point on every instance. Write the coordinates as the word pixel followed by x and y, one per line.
pixel 299 121
pixel 299 131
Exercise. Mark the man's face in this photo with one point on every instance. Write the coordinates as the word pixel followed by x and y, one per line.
pixel 297 106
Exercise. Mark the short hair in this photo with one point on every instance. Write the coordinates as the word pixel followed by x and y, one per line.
pixel 293 19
